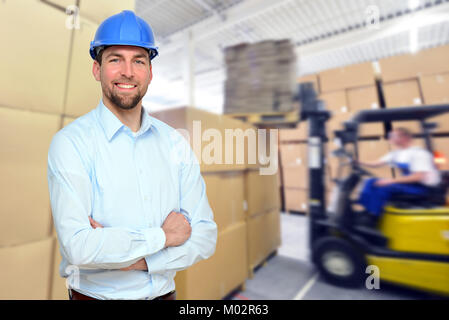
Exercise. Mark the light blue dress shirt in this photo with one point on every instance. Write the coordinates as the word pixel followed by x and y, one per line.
pixel 128 182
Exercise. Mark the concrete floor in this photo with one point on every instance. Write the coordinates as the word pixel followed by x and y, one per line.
pixel 290 275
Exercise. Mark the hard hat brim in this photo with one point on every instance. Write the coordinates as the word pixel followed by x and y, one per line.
pixel 153 50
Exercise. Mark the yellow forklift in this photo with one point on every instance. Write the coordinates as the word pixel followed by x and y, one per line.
pixel 409 245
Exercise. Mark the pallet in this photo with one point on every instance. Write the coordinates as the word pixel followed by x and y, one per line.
pixel 263 263
pixel 302 213
pixel 230 295
pixel 268 118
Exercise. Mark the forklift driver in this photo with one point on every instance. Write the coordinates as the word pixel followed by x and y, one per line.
pixel 419 174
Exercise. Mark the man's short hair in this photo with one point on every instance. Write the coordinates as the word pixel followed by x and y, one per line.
pixel 99 55
pixel 100 51
pixel 404 132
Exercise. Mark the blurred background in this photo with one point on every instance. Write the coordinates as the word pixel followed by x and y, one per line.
pixel 229 64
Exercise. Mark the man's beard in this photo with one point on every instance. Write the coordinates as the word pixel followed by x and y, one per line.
pixel 125 103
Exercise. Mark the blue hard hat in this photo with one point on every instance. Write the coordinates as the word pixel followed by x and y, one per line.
pixel 124 28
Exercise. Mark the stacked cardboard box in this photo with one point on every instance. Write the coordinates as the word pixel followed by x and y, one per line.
pixel 348 90
pixel 294 175
pixel 262 216
pixel 29 117
pixel 260 77
pixel 245 204
pixel 435 90
pixel 225 191
pixel 216 277
pixel 62 85
pixel 416 79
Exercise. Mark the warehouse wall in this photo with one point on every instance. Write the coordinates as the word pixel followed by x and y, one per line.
pixel 49 79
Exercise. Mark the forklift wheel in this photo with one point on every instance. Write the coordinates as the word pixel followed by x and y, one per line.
pixel 339 262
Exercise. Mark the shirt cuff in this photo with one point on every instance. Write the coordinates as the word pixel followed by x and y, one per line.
pixel 155 239
pixel 157 262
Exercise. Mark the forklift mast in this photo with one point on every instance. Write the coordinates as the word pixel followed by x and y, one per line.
pixel 314 111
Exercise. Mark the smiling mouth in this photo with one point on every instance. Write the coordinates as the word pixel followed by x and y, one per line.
pixel 125 86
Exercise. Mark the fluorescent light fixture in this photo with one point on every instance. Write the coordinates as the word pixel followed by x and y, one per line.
pixel 413 4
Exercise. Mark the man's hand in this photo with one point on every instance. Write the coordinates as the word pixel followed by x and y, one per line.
pixel 139 265
pixel 94 224
pixel 384 182
pixel 177 229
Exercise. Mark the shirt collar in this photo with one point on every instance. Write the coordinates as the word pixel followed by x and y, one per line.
pixel 111 124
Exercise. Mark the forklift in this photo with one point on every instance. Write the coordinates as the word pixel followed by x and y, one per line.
pixel 409 245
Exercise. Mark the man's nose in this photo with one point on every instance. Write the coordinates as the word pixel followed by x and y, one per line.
pixel 127 70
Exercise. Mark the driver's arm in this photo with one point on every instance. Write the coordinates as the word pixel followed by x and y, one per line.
pixel 372 164
pixel 385 160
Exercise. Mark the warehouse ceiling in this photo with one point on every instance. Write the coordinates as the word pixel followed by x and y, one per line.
pixel 327 34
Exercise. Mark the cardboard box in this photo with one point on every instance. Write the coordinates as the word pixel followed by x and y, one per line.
pixel 26 270
pixel 66 120
pixel 408 66
pixel 260 77
pixel 25 206
pixel 435 90
pixel 264 236
pixel 293 154
pixel 353 76
pixel 300 133
pixel 216 277
pixel 336 102
pixel 296 199
pixel 365 98
pixel 295 176
pixel 372 151
pixel 205 128
pixel 36 61
pixel 83 92
pixel 225 192
pixel 403 94
pixel 311 78
pixel 261 192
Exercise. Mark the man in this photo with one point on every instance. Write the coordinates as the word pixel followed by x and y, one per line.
pixel 419 174
pixel 128 200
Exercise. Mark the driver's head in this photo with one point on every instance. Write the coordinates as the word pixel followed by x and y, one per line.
pixel 400 137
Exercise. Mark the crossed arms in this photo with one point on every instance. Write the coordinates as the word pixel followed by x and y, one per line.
pixel 174 246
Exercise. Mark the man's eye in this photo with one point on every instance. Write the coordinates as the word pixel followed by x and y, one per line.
pixel 113 60
pixel 140 61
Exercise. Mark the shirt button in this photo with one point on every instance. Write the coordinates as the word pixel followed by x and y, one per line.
pixel 145 198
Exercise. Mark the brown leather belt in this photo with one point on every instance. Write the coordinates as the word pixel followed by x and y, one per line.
pixel 75 295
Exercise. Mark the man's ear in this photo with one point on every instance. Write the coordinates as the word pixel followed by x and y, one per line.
pixel 96 70
pixel 151 73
